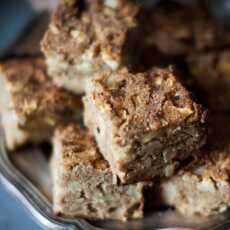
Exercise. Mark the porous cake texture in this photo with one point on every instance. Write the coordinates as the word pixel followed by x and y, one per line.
pixel 203 188
pixel 88 37
pixel 145 123
pixel 83 184
pixel 30 105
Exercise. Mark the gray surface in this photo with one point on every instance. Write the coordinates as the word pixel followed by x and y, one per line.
pixel 12 215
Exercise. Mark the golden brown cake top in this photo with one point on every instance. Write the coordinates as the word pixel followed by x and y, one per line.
pixel 92 26
pixel 218 165
pixel 33 94
pixel 212 164
pixel 145 102
pixel 78 147
pixel 214 160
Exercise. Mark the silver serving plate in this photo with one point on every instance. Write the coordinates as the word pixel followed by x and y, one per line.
pixel 26 175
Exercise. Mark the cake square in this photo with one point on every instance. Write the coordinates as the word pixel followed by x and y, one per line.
pixel 178 29
pixel 88 37
pixel 83 184
pixel 211 72
pixel 30 105
pixel 203 188
pixel 145 123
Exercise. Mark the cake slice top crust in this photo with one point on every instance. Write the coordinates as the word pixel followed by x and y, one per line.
pixel 144 102
pixel 203 186
pixel 90 28
pixel 214 159
pixel 78 147
pixel 217 165
pixel 33 94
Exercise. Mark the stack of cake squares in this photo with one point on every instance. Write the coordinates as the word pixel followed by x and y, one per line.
pixel 139 129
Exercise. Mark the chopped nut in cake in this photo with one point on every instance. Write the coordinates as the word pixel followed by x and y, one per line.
pixel 83 184
pixel 30 105
pixel 145 123
pixel 88 37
